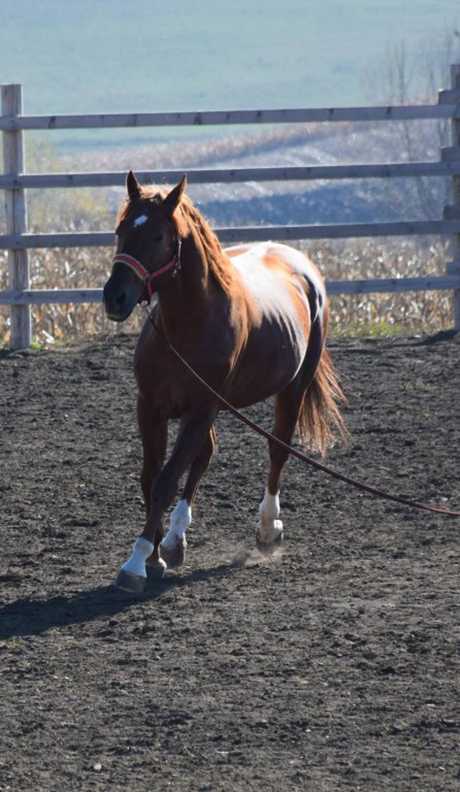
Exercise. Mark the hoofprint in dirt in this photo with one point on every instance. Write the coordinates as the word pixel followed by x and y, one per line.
pixel 331 665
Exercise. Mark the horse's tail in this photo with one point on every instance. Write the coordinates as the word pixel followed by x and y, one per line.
pixel 320 415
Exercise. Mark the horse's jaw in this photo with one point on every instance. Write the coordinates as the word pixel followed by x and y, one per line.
pixel 115 317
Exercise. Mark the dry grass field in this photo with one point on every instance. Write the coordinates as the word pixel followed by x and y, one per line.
pixel 95 210
pixel 351 315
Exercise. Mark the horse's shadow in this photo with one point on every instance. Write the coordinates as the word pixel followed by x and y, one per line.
pixel 26 616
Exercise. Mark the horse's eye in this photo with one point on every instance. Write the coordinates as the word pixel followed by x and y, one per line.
pixel 158 238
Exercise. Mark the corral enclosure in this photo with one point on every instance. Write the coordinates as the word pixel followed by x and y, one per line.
pixel 330 665
pixel 15 181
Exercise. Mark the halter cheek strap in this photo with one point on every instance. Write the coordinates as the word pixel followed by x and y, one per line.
pixel 147 277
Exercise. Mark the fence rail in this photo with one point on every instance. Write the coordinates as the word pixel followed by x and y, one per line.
pixel 449 167
pixel 446 108
pixel 15 181
pixel 260 233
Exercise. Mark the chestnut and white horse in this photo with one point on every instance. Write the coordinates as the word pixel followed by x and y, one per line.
pixel 252 320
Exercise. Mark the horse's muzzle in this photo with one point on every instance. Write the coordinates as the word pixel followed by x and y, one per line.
pixel 120 298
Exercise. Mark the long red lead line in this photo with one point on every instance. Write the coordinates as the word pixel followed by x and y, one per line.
pixel 293 451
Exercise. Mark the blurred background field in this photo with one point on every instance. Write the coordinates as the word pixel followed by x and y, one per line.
pixel 109 56
pixel 256 204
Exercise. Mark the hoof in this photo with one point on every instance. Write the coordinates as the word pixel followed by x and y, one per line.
pixel 174 555
pixel 156 571
pixel 269 547
pixel 134 584
pixel 272 533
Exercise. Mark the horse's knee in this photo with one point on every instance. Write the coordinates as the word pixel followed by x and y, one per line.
pixel 164 487
pixel 146 486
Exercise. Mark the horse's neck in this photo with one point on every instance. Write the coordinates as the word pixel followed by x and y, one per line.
pixel 185 302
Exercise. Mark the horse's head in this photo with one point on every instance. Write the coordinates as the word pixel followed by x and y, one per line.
pixel 148 248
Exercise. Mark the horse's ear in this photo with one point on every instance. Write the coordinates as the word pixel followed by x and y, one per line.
pixel 133 187
pixel 173 199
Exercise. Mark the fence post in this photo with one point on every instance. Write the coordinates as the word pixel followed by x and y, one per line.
pixel 454 268
pixel 16 217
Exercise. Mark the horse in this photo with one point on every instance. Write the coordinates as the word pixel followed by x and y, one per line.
pixel 251 320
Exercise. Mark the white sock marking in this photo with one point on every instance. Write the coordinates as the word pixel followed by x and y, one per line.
pixel 141 551
pixel 269 527
pixel 181 518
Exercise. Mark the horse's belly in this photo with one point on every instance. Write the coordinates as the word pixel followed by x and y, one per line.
pixel 276 347
pixel 266 367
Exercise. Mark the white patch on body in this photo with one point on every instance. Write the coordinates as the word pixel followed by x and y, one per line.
pixel 297 261
pixel 304 266
pixel 269 527
pixel 181 519
pixel 141 551
pixel 274 297
pixel 140 221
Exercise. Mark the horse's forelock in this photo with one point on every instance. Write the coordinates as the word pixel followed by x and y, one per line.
pixel 156 197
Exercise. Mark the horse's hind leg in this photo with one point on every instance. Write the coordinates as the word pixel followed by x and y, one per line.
pixel 174 544
pixel 270 528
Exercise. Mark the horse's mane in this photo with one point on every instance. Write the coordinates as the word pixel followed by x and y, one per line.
pixel 184 218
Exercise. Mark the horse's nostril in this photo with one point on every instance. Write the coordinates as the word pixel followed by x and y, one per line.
pixel 121 298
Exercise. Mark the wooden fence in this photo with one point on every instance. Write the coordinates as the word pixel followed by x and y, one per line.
pixel 15 181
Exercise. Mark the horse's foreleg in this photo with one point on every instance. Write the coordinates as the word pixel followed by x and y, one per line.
pixel 154 436
pixel 193 432
pixel 174 544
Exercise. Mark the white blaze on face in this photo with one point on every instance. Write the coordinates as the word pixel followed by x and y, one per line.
pixel 140 221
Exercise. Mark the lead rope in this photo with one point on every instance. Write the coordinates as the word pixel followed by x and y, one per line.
pixel 293 451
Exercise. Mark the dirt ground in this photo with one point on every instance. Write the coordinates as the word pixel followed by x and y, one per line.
pixel 332 665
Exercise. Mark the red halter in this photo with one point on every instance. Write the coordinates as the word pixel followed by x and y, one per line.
pixel 144 274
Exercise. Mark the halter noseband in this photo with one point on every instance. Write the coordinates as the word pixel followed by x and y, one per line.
pixel 146 276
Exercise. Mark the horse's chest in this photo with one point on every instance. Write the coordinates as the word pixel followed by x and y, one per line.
pixel 162 390
pixel 170 389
